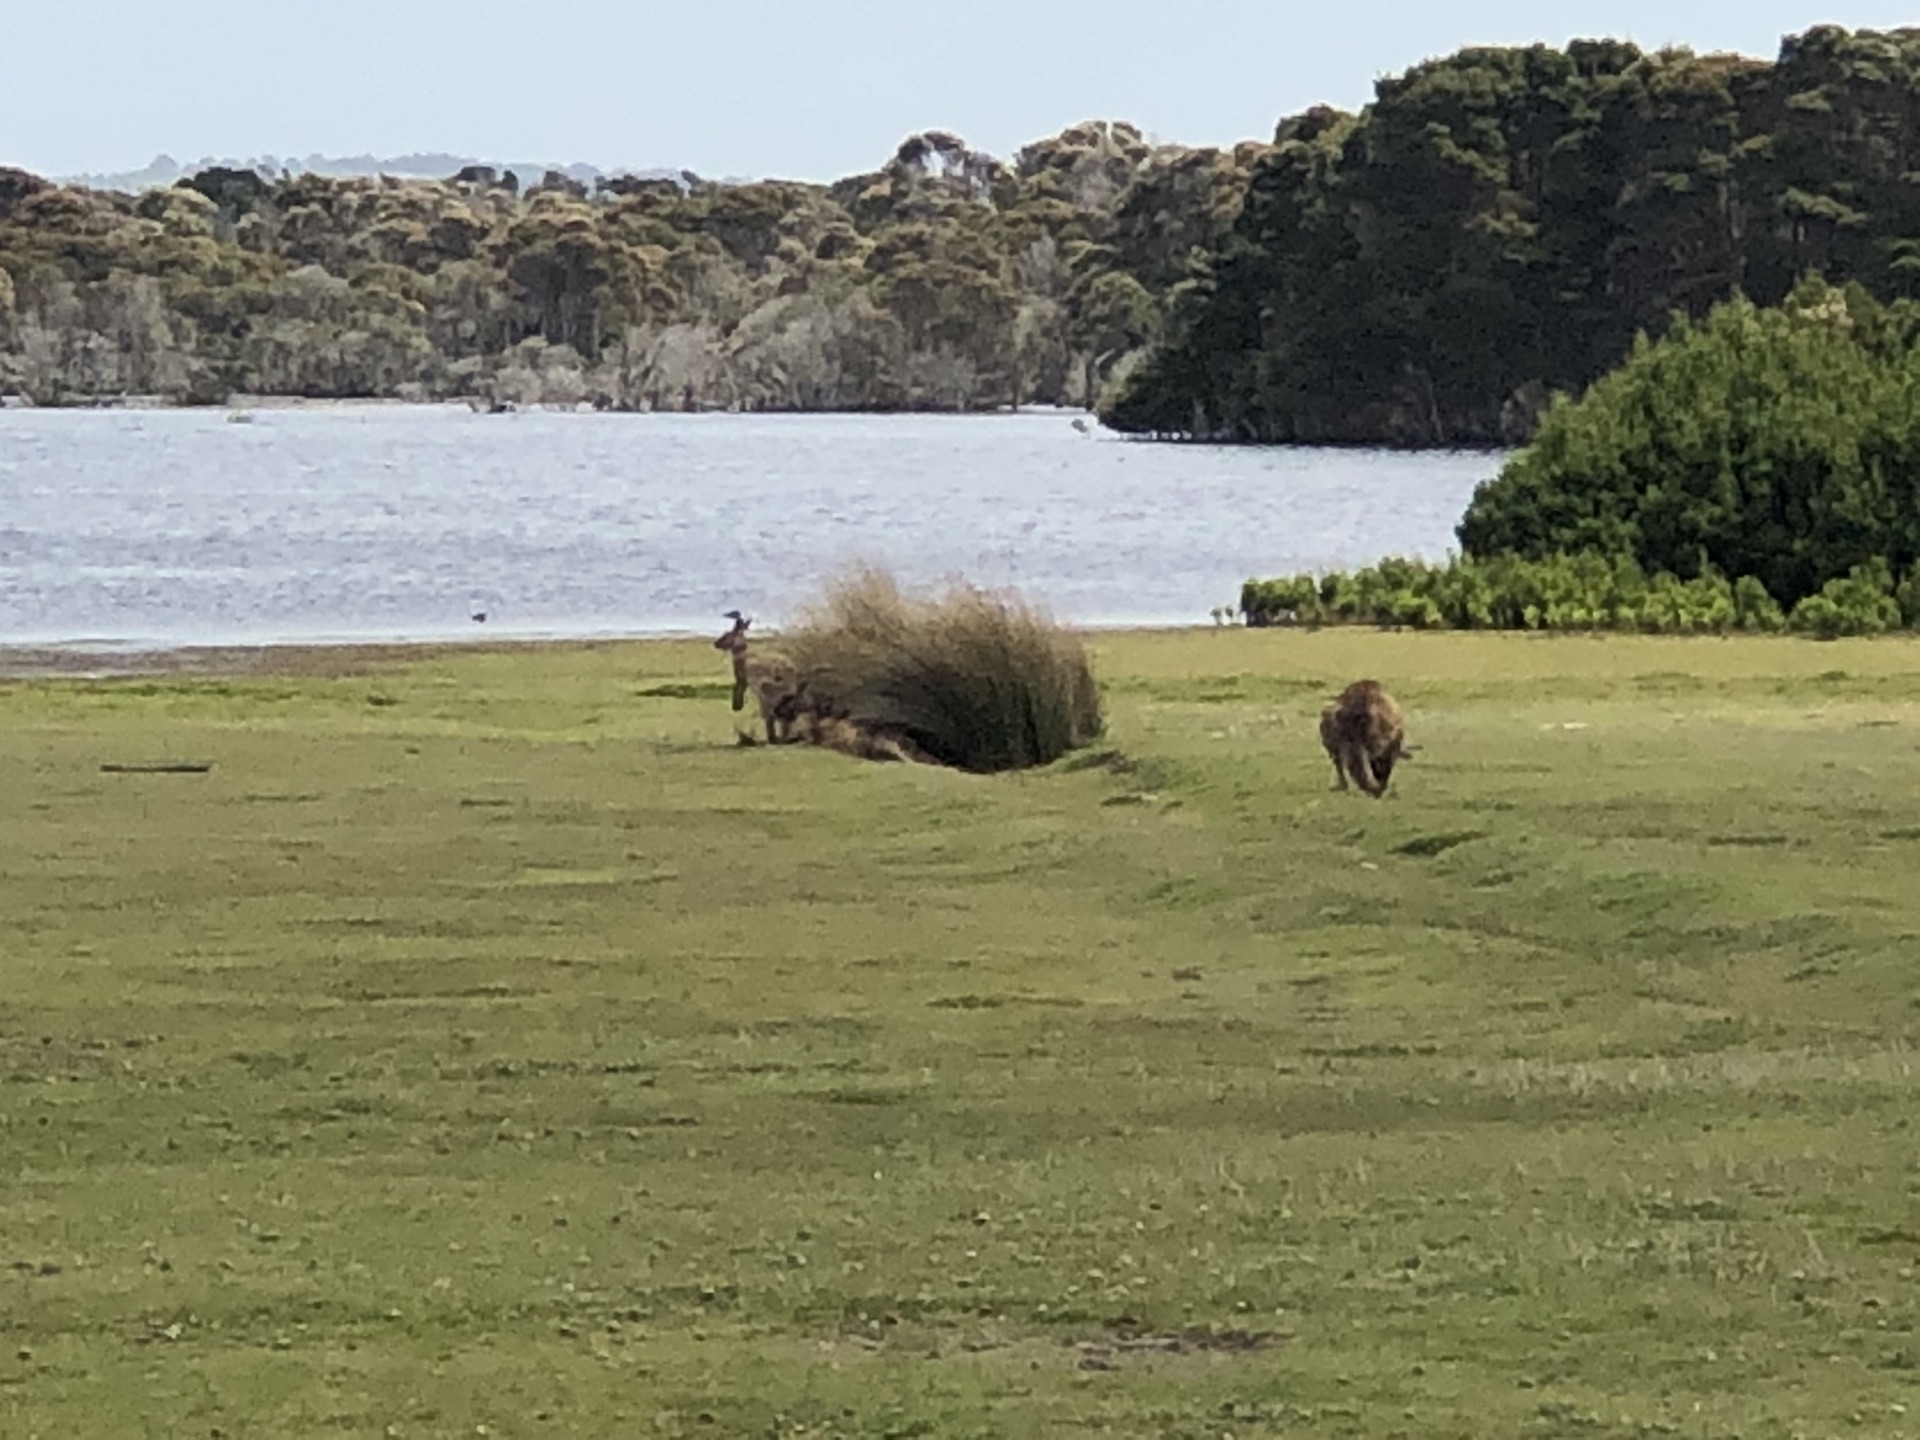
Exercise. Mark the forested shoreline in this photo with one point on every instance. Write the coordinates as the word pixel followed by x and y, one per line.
pixel 1495 227
pixel 1498 226
pixel 944 280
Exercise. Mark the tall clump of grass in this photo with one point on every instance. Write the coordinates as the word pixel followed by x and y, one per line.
pixel 979 680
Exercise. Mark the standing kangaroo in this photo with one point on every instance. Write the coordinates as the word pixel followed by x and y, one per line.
pixel 1365 734
pixel 772 679
pixel 795 711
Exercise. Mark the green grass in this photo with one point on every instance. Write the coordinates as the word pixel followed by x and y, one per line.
pixel 488 1041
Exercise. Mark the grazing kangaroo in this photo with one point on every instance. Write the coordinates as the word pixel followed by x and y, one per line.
pixel 772 679
pixel 1365 734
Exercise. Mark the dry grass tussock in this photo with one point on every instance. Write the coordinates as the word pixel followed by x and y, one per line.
pixel 976 679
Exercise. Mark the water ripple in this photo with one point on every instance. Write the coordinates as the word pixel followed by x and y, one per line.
pixel 375 522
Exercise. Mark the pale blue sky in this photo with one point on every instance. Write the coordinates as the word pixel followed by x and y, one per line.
pixel 748 87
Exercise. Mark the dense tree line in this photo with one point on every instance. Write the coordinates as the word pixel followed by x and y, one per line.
pixel 1497 226
pixel 944 279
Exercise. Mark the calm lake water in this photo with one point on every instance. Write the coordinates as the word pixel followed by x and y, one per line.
pixel 179 527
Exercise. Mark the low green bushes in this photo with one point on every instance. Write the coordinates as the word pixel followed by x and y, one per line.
pixel 1584 592
pixel 978 679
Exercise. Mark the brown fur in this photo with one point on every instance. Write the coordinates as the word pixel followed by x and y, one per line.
pixel 1365 735
pixel 771 679
pixel 793 711
pixel 863 742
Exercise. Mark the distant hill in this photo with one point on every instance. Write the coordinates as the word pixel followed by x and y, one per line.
pixel 165 170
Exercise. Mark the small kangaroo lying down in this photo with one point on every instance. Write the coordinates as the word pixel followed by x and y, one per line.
pixel 1365 735
pixel 792 711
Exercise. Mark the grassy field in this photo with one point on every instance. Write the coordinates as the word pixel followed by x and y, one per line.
pixel 486 1045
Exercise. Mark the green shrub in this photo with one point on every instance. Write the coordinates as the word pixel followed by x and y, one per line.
pixel 1862 603
pixel 1754 608
pixel 1782 444
pixel 1576 592
pixel 1296 597
pixel 1907 595
pixel 977 679
pixel 1688 607
pixel 1818 616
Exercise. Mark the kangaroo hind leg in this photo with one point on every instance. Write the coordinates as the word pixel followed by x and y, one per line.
pixel 1354 756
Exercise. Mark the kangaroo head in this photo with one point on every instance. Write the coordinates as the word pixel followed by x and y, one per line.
pixel 736 638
